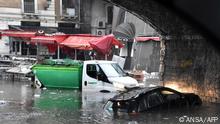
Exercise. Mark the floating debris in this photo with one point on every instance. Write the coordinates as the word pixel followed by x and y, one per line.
pixel 165 118
pixel 2 102
pixel 36 95
pixel 44 88
pixel 132 122
pixel 53 93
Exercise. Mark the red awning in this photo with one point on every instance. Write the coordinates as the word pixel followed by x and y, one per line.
pixel 81 42
pixel 49 39
pixel 89 42
pixel 22 34
pixel 105 43
pixel 147 38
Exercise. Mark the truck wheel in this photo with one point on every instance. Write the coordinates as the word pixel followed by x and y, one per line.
pixel 104 91
pixel 37 83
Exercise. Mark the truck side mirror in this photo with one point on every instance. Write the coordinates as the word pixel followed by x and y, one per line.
pixel 127 74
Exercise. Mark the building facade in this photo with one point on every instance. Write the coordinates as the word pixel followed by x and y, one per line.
pixel 67 16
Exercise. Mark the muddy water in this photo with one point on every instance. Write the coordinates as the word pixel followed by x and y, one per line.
pixel 21 104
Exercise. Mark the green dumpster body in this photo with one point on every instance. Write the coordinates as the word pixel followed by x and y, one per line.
pixel 59 75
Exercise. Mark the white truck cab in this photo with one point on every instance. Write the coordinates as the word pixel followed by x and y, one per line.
pixel 105 76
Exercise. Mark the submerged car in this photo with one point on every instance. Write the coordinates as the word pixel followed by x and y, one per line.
pixel 148 98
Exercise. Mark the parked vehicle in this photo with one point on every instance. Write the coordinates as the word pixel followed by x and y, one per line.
pixel 92 75
pixel 150 98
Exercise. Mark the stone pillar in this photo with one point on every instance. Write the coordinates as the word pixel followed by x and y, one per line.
pixel 162 55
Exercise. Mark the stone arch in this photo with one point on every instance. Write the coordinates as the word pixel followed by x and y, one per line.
pixel 188 54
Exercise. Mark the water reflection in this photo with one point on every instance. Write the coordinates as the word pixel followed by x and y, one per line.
pixel 19 103
pixel 58 99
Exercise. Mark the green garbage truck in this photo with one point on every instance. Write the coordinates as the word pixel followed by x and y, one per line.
pixel 91 75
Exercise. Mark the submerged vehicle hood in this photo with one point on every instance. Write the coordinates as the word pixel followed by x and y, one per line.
pixel 127 81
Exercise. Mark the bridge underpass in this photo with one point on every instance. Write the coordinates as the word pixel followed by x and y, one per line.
pixel 190 62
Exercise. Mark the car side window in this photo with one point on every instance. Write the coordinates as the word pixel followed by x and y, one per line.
pixel 143 104
pixel 170 95
pixel 154 99
pixel 91 70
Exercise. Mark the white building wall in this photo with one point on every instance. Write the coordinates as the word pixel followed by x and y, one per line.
pixel 9 16
pixel 4 46
pixel 98 13
pixel 48 16
pixel 4 41
pixel 13 16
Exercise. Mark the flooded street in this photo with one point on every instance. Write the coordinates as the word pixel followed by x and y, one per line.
pixel 21 104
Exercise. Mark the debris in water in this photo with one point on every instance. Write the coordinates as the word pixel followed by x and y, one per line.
pixel 2 102
pixel 53 93
pixel 36 95
pixel 165 118
pixel 132 122
pixel 1 91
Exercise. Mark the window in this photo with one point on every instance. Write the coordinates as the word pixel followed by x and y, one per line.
pixel 109 14
pixel 170 95
pixel 154 99
pixel 30 24
pixel 91 70
pixel 29 6
pixel 70 7
pixel 143 104
pixel 15 46
pixel 112 70
pixel 166 92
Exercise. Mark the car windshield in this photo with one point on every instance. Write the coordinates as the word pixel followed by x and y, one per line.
pixel 112 70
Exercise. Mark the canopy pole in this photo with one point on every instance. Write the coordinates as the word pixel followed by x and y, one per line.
pixel 37 49
pixel 58 51
pixel 16 48
pixel 106 57
pixel 75 54
pixel 28 49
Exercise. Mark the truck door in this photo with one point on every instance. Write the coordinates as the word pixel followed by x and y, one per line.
pixel 90 78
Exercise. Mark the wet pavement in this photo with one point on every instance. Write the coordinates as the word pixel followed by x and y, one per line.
pixel 21 104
